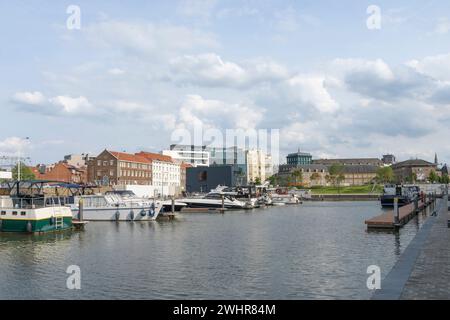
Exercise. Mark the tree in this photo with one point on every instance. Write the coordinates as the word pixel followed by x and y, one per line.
pixel 297 175
pixel 25 172
pixel 336 175
pixel 433 177
pixel 258 181
pixel 385 175
pixel 314 177
pixel 273 180
pixel 445 179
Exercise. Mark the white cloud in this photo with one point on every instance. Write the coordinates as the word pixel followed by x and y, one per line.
pixel 10 146
pixel 33 98
pixel 310 90
pixel 376 79
pixel 437 66
pixel 59 105
pixel 71 105
pixel 211 70
pixel 196 110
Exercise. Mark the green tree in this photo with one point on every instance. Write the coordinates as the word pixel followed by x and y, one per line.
pixel 433 177
pixel 25 172
pixel 445 179
pixel 336 175
pixel 273 180
pixel 385 175
pixel 258 181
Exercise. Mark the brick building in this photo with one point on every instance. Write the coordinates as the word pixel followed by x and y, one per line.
pixel 119 168
pixel 61 171
pixel 417 169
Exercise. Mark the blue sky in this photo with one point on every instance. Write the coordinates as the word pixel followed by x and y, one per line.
pixel 135 73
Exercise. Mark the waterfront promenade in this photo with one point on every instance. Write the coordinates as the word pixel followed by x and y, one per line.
pixel 430 277
pixel 423 270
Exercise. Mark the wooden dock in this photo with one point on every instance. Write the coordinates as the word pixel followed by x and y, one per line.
pixel 79 225
pixel 386 220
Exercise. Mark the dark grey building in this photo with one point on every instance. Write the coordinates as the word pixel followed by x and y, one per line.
pixel 203 179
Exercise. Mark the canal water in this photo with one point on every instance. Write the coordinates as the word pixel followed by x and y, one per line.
pixel 317 250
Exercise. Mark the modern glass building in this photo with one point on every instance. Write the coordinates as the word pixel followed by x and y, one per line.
pixel 299 158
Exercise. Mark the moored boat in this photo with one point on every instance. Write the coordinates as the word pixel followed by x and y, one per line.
pixel 28 210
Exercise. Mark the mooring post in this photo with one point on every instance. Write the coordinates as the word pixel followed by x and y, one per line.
pixel 396 212
pixel 173 204
pixel 416 204
pixel 80 209
pixel 223 204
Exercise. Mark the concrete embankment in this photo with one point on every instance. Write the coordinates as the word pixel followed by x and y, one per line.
pixel 345 197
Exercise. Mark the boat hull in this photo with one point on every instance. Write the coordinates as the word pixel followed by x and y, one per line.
pixel 118 214
pixel 40 220
pixel 388 201
pixel 37 226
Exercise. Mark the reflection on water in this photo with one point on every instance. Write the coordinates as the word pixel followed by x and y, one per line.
pixel 315 250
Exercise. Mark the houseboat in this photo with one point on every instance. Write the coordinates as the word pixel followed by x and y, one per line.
pixel 27 209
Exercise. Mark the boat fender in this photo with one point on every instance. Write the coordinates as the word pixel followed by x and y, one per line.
pixel 52 220
pixel 143 213
pixel 29 227
pixel 1 224
pixel 151 212
pixel 131 215
pixel 117 215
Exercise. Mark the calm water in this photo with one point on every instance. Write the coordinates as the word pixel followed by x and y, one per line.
pixel 315 250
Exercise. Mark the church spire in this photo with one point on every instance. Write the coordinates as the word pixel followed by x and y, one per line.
pixel 435 158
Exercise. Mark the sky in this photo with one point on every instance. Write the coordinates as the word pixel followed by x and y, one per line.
pixel 335 80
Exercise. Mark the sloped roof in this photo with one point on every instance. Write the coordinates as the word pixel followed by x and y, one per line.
pixel 129 157
pixel 413 163
pixel 155 156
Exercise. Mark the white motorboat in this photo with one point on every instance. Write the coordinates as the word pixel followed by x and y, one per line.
pixel 284 199
pixel 114 207
pixel 214 200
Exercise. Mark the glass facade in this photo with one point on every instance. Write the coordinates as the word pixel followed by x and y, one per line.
pixel 299 158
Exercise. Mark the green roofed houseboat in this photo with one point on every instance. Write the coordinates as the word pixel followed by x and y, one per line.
pixel 27 209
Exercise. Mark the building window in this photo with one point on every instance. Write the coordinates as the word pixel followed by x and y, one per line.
pixel 203 176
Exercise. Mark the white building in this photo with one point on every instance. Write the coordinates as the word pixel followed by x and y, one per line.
pixel 165 173
pixel 193 155
pixel 256 165
pixel 7 175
